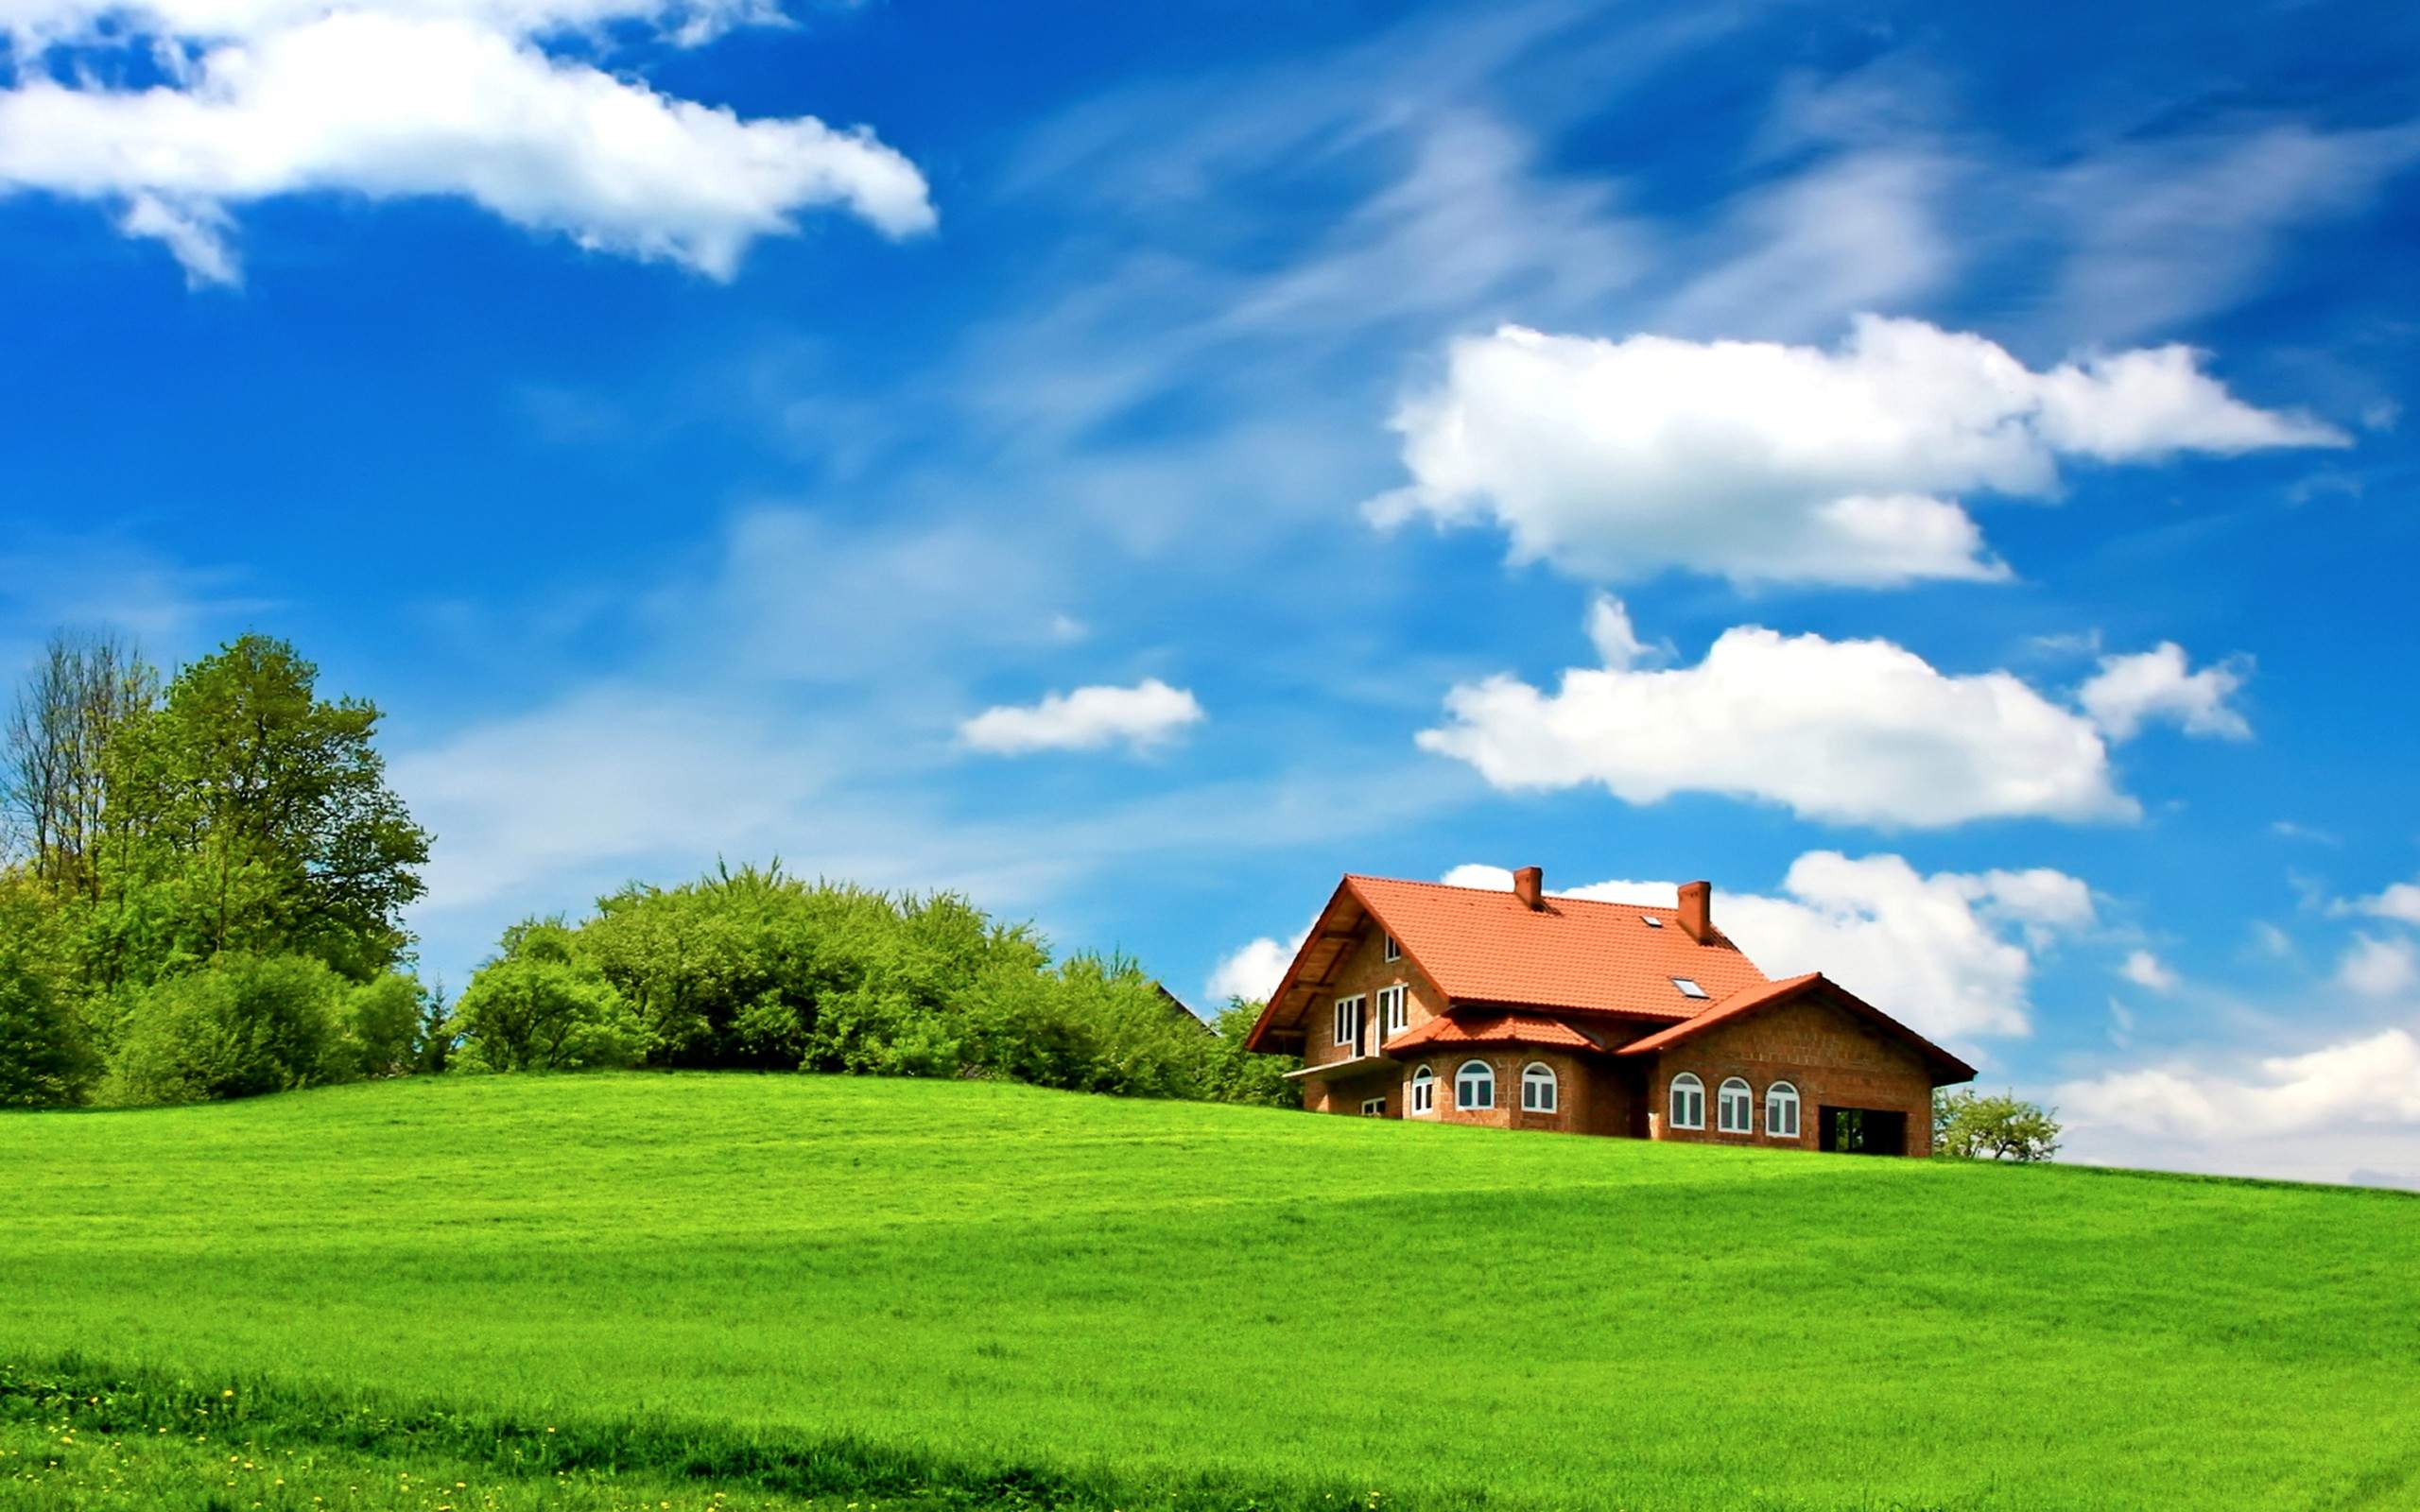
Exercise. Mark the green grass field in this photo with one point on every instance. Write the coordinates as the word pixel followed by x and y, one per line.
pixel 646 1288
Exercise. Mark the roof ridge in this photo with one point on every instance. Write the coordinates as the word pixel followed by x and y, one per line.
pixel 1506 892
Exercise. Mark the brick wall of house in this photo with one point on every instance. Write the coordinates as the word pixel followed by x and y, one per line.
pixel 1363 972
pixel 1831 1055
pixel 1590 1094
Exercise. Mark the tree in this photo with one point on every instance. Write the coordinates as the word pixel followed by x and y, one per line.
pixel 261 819
pixel 54 754
pixel 45 1056
pixel 538 1006
pixel 1967 1124
pixel 1235 1074
pixel 378 1025
pixel 242 1025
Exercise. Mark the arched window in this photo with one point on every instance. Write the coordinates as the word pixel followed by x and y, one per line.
pixel 1475 1087
pixel 1688 1102
pixel 1537 1088
pixel 1735 1108
pixel 1781 1111
pixel 1424 1091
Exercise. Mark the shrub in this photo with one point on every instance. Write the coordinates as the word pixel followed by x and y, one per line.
pixel 379 1024
pixel 240 1025
pixel 538 1007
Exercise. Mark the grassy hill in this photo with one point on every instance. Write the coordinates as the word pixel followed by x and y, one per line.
pixel 768 1289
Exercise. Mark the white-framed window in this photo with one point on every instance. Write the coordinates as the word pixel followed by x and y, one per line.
pixel 1374 1108
pixel 1688 1102
pixel 1780 1111
pixel 1537 1088
pixel 1734 1107
pixel 1423 1091
pixel 1651 920
pixel 1688 987
pixel 1394 1009
pixel 1348 1021
pixel 1392 951
pixel 1475 1087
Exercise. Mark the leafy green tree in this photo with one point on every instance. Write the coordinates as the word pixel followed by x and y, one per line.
pixel 241 1025
pixel 45 1055
pixel 538 1006
pixel 261 820
pixel 1967 1124
pixel 378 1025
pixel 1235 1074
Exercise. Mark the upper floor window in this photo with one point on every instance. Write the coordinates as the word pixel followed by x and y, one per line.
pixel 1688 1102
pixel 1537 1088
pixel 1780 1111
pixel 1688 987
pixel 1348 1021
pixel 1392 952
pixel 1424 1091
pixel 1736 1109
pixel 1475 1087
pixel 1395 1009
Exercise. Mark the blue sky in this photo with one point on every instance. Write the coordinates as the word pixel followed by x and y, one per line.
pixel 1949 486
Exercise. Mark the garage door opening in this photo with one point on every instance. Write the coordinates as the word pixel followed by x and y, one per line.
pixel 1863 1131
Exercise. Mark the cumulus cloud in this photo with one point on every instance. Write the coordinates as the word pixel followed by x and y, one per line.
pixel 1764 462
pixel 1148 714
pixel 2148 971
pixel 2373 1080
pixel 2130 691
pixel 2401 902
pixel 1949 953
pixel 1848 731
pixel 1499 878
pixel 2378 968
pixel 1253 971
pixel 432 98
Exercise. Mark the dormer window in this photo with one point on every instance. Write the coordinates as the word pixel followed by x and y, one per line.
pixel 1688 987
pixel 1392 951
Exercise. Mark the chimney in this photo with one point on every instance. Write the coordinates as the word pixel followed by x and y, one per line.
pixel 1697 911
pixel 1530 886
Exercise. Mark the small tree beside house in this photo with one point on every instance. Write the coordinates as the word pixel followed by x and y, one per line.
pixel 1972 1125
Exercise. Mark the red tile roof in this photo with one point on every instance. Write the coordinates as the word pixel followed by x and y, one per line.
pixel 1490 1029
pixel 1947 1068
pixel 1482 946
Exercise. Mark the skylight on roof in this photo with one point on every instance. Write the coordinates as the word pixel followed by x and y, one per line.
pixel 1651 920
pixel 1688 988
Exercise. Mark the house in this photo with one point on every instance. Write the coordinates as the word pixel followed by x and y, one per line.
pixel 1523 1010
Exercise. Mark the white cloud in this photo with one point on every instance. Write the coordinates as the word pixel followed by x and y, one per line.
pixel 613 776
pixel 1949 953
pixel 38 23
pixel 2175 227
pixel 2129 691
pixel 434 100
pixel 1148 714
pixel 1855 232
pixel 1616 639
pixel 1764 462
pixel 1253 971
pixel 2149 972
pixel 1499 878
pixel 2378 968
pixel 2401 902
pixel 2374 1080
pixel 1848 731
